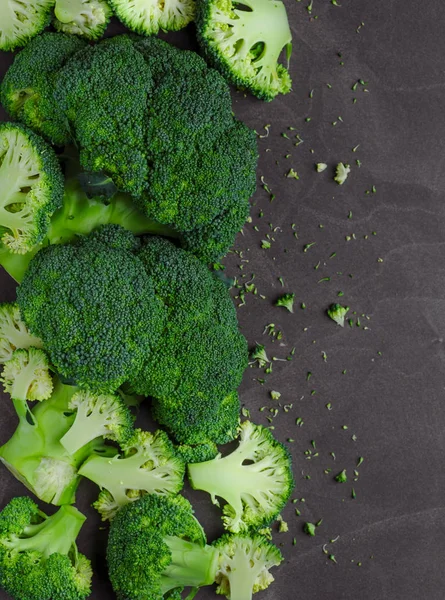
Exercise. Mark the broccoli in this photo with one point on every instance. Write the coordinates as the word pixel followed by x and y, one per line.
pixel 197 453
pixel 255 480
pixel 94 307
pixel 337 313
pixel 32 187
pixel 27 89
pixel 341 173
pixel 245 41
pixel 21 21
pixel 148 18
pixel 39 559
pixel 287 301
pixel 13 332
pixel 34 454
pixel 156 548
pixel 147 465
pixel 103 415
pixel 87 18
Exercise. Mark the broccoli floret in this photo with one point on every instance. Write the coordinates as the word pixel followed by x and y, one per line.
pixel 32 187
pixel 87 18
pixel 287 301
pixel 148 464
pixel 244 565
pixel 39 559
pixel 27 90
pixel 245 43
pixel 97 415
pixel 148 18
pixel 34 454
pixel 13 332
pixel 156 548
pixel 337 313
pixel 341 173
pixel 21 21
pixel 255 480
pixel 95 309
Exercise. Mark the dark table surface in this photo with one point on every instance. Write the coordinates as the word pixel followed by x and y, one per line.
pixel 384 379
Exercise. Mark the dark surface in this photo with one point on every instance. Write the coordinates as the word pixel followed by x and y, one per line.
pixel 393 402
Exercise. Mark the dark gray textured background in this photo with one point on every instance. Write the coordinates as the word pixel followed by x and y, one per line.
pixel 393 402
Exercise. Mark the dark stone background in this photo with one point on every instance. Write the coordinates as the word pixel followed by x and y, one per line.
pixel 391 402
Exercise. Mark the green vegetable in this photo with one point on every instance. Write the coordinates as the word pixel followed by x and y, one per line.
pixel 341 477
pixel 87 18
pixel 287 301
pixel 39 559
pixel 148 18
pixel 341 173
pixel 310 528
pixel 337 313
pixel 13 332
pixel 245 42
pixel 255 479
pixel 321 167
pixel 21 21
pixel 148 464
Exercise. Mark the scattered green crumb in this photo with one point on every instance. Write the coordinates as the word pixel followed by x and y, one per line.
pixel 342 477
pixel 321 167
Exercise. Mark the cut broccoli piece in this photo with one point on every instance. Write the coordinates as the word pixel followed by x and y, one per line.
pixel 87 18
pixel 20 21
pixel 286 301
pixel 198 452
pixel 245 40
pixel 337 313
pixel 255 480
pixel 147 465
pixel 103 415
pixel 341 173
pixel 39 559
pixel 27 90
pixel 32 187
pixel 13 332
pixel 148 17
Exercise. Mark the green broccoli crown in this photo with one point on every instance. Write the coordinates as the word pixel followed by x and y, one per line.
pixel 148 18
pixel 244 565
pixel 13 332
pixel 32 187
pixel 95 309
pixel 148 464
pixel 337 313
pixel 97 415
pixel 19 22
pixel 38 554
pixel 255 480
pixel 27 90
pixel 245 44
pixel 87 18
pixel 156 545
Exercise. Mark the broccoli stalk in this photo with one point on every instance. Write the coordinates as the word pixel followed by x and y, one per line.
pixel 148 464
pixel 87 18
pixel 13 332
pixel 255 480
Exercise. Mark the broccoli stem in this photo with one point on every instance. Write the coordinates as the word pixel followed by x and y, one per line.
pixel 87 427
pixel 22 383
pixel 57 533
pixel 192 565
pixel 242 575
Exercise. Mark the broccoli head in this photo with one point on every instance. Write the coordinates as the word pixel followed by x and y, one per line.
pixel 94 307
pixel 13 332
pixel 245 40
pixel 337 313
pixel 87 18
pixel 21 21
pixel 39 559
pixel 148 18
pixel 255 479
pixel 148 464
pixel 27 90
pixel 32 187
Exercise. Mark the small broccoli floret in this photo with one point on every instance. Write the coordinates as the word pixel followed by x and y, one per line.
pixel 95 309
pixel 13 332
pixel 87 18
pixel 259 355
pixel 147 465
pixel 337 313
pixel 148 17
pixel 244 565
pixel 32 187
pixel 156 546
pixel 97 415
pixel 255 480
pixel 38 554
pixel 245 43
pixel 287 301
pixel 21 21
pixel 341 173
pixel 27 90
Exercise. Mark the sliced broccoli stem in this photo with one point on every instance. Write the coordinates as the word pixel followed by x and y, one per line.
pixel 56 533
pixel 192 565
pixel 242 575
pixel 88 425
pixel 20 387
